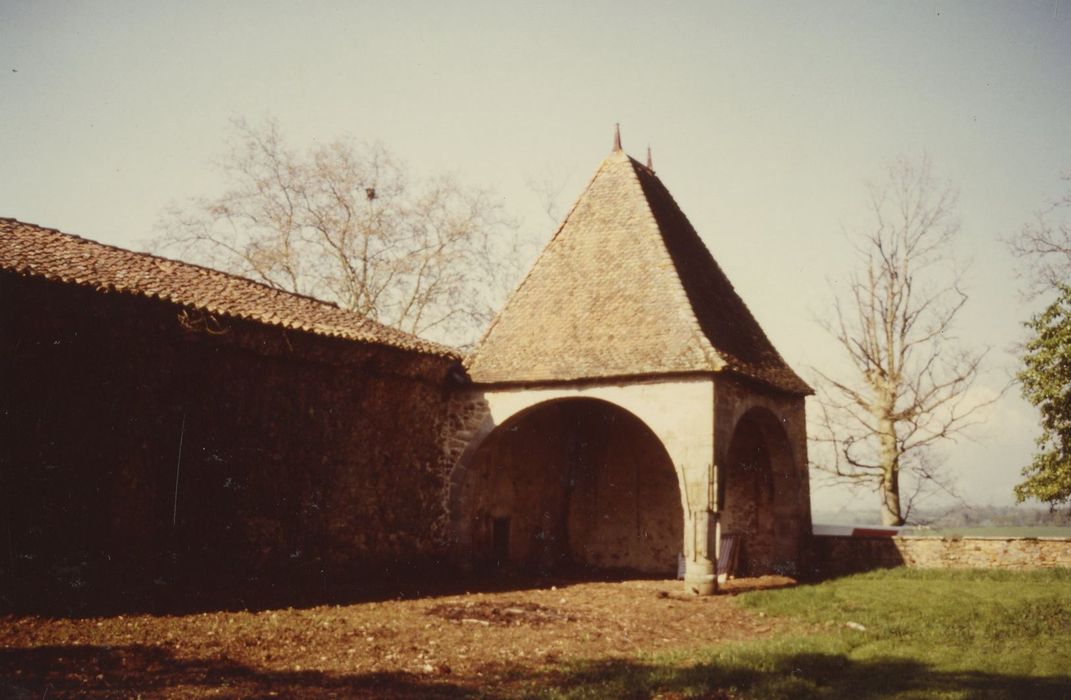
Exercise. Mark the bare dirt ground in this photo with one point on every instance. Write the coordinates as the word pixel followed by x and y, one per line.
pixel 475 644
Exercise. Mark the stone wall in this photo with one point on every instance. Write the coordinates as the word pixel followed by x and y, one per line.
pixel 297 452
pixel 835 556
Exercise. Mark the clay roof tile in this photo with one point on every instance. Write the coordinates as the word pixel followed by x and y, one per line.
pixel 34 251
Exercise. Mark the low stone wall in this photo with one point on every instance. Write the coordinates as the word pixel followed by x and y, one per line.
pixel 837 555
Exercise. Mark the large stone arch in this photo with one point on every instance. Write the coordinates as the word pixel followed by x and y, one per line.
pixel 759 487
pixel 568 478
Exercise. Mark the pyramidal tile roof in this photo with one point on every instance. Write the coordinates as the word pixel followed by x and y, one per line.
pixel 33 251
pixel 626 288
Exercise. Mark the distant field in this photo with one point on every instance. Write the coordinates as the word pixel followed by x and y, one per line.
pixel 993 531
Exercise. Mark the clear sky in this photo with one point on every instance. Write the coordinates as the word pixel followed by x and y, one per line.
pixel 766 120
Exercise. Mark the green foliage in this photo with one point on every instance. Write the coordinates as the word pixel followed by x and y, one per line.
pixel 1046 383
pixel 927 634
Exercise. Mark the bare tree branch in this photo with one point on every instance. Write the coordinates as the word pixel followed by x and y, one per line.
pixel 1043 247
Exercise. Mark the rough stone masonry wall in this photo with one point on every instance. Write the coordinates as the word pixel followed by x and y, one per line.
pixel 297 452
pixel 761 451
pixel 834 556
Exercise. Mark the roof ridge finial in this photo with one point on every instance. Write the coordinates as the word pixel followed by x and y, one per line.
pixel 617 137
pixel 650 163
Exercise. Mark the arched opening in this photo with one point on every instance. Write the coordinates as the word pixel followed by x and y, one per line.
pixel 573 482
pixel 759 488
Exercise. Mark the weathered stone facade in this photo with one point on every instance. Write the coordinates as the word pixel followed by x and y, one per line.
pixel 610 460
pixel 627 307
pixel 834 555
pixel 149 441
pixel 541 452
pixel 763 485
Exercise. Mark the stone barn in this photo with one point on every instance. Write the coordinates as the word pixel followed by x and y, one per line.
pixel 173 427
pixel 626 409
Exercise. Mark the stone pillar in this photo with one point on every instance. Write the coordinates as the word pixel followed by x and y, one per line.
pixel 701 528
pixel 700 568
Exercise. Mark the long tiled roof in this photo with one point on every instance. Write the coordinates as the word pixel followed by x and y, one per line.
pixel 626 288
pixel 33 251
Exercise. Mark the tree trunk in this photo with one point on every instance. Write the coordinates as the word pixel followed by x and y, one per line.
pixel 890 499
pixel 890 474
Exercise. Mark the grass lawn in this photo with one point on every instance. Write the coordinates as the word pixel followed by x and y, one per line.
pixel 890 634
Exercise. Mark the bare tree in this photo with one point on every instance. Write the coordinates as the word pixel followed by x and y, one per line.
pixel 1044 247
pixel 907 388
pixel 345 223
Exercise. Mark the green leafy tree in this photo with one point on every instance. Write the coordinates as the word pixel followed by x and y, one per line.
pixel 1046 383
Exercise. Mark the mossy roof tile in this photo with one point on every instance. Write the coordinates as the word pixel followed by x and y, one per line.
pixel 626 288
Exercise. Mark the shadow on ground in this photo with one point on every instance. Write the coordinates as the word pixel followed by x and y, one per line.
pixel 178 594
pixel 799 676
pixel 129 671
pixel 143 671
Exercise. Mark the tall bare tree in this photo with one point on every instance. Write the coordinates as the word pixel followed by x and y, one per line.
pixel 1044 247
pixel 346 223
pixel 907 385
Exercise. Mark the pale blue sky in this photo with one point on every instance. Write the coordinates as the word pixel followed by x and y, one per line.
pixel 765 120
